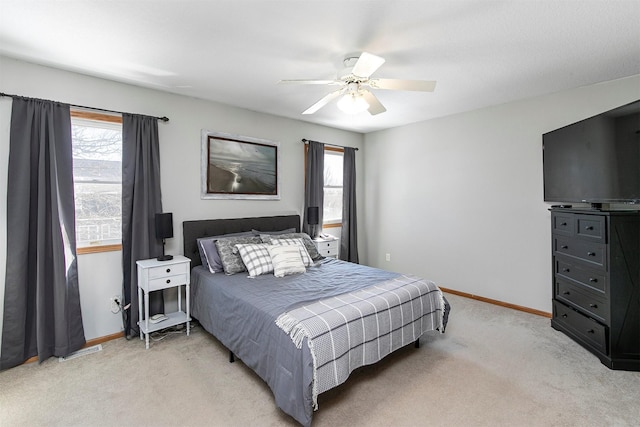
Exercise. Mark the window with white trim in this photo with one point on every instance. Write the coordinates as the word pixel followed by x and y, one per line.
pixel 333 167
pixel 97 175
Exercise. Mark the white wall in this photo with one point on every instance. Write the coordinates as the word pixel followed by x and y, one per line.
pixel 459 199
pixel 100 275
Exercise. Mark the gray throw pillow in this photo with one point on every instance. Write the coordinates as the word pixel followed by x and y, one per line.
pixel 229 255
pixel 209 253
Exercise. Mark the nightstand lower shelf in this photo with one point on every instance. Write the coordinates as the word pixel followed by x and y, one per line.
pixel 174 319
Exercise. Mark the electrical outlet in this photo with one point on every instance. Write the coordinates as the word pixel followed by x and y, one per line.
pixel 115 303
pixel 387 257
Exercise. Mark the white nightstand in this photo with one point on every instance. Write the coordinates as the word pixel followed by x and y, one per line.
pixel 154 275
pixel 327 246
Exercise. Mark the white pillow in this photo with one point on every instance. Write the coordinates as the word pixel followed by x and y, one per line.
pixel 286 260
pixel 306 258
pixel 256 258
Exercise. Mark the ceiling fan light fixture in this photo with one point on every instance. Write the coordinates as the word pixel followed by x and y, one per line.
pixel 355 85
pixel 353 103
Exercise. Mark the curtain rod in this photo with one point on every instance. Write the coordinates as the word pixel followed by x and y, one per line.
pixel 164 119
pixel 304 141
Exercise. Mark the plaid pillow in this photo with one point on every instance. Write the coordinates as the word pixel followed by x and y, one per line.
pixel 306 258
pixel 256 258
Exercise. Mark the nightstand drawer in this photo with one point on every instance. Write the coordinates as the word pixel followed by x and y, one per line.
pixel 167 282
pixel 168 270
pixel 333 244
pixel 327 248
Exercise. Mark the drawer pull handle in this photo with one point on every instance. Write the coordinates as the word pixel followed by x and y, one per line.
pixel 168 280
pixel 593 305
pixel 593 280
pixel 564 224
pixel 566 293
pixel 590 227
pixel 591 253
pixel 591 331
pixel 168 270
pixel 566 270
pixel 564 316
pixel 564 247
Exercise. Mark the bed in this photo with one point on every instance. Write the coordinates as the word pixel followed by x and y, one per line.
pixel 266 322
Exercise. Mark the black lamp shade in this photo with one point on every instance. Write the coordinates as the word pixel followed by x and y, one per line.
pixel 164 225
pixel 312 215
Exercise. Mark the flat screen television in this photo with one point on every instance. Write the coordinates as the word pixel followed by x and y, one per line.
pixel 596 160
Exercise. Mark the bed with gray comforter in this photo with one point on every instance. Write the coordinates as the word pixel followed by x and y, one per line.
pixel 304 334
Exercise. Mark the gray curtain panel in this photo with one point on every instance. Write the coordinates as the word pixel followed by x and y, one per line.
pixel 314 183
pixel 42 313
pixel 349 239
pixel 141 200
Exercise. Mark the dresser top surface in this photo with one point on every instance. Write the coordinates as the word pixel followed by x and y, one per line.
pixel 588 211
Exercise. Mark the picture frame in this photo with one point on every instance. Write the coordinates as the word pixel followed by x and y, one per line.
pixel 239 167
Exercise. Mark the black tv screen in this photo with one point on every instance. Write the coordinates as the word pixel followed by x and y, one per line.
pixel 596 160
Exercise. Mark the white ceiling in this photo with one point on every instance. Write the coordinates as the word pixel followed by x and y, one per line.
pixel 481 52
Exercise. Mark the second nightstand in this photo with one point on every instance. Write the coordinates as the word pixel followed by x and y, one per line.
pixel 327 246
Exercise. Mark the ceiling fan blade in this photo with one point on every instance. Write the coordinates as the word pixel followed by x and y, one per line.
pixel 397 84
pixel 367 64
pixel 309 82
pixel 324 101
pixel 375 107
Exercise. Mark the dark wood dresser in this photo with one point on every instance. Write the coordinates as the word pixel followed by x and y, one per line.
pixel 596 282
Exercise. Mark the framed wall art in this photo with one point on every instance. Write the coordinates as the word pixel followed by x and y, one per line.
pixel 239 167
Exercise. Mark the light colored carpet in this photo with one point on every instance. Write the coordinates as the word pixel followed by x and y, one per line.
pixel 493 367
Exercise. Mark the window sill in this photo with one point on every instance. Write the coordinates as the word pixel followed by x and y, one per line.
pixel 98 248
pixel 332 225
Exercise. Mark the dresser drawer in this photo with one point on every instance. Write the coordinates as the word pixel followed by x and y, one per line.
pixel 593 253
pixel 591 227
pixel 562 224
pixel 584 300
pixel 167 282
pixel 168 270
pixel 583 328
pixel 591 279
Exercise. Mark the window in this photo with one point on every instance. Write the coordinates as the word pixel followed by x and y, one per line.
pixel 97 175
pixel 333 167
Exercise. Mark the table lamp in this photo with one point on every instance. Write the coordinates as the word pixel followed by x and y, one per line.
pixel 313 213
pixel 164 230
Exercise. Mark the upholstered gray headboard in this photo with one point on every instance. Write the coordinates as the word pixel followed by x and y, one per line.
pixel 193 230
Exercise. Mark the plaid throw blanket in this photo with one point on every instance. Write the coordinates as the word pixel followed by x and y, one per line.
pixel 361 327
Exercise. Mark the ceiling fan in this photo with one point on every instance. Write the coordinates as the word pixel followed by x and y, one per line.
pixel 356 83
